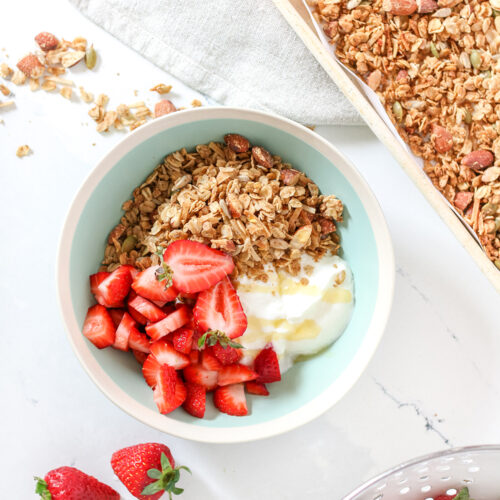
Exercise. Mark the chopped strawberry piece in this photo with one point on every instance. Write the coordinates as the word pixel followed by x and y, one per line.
pixel 182 339
pixel 133 271
pixel 194 357
pixel 219 308
pixel 127 324
pixel 166 354
pixel 231 399
pixel 146 285
pixel 196 266
pixel 116 315
pixel 169 324
pixel 99 327
pixel 195 400
pixel 138 317
pixel 209 361
pixel 139 356
pixel 146 308
pixel 196 336
pixel 257 388
pixel 139 341
pixel 170 391
pixel 116 286
pixel 226 355
pixel 196 374
pixel 150 370
pixel 96 279
pixel 234 374
pixel 267 366
pixel 189 296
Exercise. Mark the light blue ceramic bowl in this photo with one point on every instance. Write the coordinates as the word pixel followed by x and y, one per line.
pixel 310 387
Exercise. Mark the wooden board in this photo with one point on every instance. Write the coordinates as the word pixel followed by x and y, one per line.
pixel 297 16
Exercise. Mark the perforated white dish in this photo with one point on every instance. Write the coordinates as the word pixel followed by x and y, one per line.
pixel 477 467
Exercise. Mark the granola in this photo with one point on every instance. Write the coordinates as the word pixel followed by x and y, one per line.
pixel 436 68
pixel 223 196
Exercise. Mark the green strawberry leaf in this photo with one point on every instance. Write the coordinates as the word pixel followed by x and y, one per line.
pixel 154 473
pixel 211 338
pixel 165 463
pixel 166 478
pixel 152 488
pixel 42 489
pixel 463 494
pixel 163 273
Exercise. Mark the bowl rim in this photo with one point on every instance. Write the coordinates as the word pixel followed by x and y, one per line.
pixel 418 460
pixel 312 409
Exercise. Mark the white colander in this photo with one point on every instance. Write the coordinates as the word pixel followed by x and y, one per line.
pixel 477 467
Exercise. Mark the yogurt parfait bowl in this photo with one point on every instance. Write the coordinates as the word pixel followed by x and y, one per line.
pixel 223 230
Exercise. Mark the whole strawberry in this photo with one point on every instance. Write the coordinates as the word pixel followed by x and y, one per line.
pixel 68 483
pixel 147 470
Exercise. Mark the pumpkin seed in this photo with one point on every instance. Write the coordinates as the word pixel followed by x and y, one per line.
pixel 397 109
pixel 475 59
pixel 495 12
pixel 497 224
pixel 468 117
pixel 434 50
pixel 489 209
pixel 90 57
pixel 497 263
pixel 129 243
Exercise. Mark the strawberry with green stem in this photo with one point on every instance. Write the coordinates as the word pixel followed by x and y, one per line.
pixel 463 494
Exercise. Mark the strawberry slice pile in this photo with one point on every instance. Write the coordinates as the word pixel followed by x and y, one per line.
pixel 180 320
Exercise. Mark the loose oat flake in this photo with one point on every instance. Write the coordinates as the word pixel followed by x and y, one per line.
pixel 23 151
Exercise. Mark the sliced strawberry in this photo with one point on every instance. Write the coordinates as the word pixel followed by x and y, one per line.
pixel 127 324
pixel 166 354
pixel 267 366
pixel 257 388
pixel 139 356
pixel 196 266
pixel 195 400
pixel 146 308
pixel 234 374
pixel 196 336
pixel 133 271
pixel 189 296
pixel 209 361
pixel 226 355
pixel 116 315
pixel 116 286
pixel 99 327
pixel 219 308
pixel 170 391
pixel 196 374
pixel 231 399
pixel 150 370
pixel 96 279
pixel 146 285
pixel 139 341
pixel 138 317
pixel 169 324
pixel 194 357
pixel 182 339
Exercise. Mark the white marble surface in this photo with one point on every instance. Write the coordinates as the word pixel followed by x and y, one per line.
pixel 433 383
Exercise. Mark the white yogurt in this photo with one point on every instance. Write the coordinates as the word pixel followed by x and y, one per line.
pixel 296 316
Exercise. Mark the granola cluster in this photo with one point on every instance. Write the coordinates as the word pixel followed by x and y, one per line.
pixel 435 66
pixel 232 197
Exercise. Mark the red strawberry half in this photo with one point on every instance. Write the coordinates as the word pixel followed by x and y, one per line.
pixel 151 370
pixel 127 324
pixel 267 366
pixel 146 308
pixel 99 327
pixel 257 388
pixel 139 356
pixel 226 355
pixel 196 374
pixel 195 400
pixel 209 361
pixel 146 285
pixel 116 315
pixel 234 374
pixel 170 391
pixel 169 324
pixel 231 399
pixel 147 470
pixel 182 339
pixel 166 354
pixel 196 266
pixel 138 341
pixel 219 308
pixel 116 286
pixel 68 483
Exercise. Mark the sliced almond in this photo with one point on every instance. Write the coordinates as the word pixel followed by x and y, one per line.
pixel 70 59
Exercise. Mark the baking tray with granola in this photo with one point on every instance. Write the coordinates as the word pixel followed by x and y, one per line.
pixel 424 76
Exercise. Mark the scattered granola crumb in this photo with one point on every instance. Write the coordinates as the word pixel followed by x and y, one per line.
pixel 136 92
pixel 196 103
pixel 86 96
pixel 60 81
pixel 161 88
pixel 34 84
pixel 23 151
pixel 6 104
pixel 66 92
pixel 5 91
pixel 48 86
pixel 5 71
pixel 18 77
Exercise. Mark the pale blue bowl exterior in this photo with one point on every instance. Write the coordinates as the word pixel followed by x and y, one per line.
pixel 306 380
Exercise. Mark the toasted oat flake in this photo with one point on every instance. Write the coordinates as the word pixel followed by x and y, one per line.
pixel 18 78
pixel 4 90
pixel 5 71
pixel 66 92
pixel 161 88
pixel 70 59
pixel 23 151
pixel 196 103
pixel 48 85
pixel 86 96
pixel 102 100
pixel 137 124
pixel 60 81
pixel 34 84
pixel 6 104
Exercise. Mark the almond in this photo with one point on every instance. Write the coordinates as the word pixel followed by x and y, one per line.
pixel 31 66
pixel 46 41
pixel 237 143
pixel 399 7
pixel 227 246
pixel 402 75
pixel 164 107
pixel 301 236
pixel 426 6
pixel 290 177
pixel 374 79
pixel 462 199
pixel 234 205
pixel 477 160
pixel 443 140
pixel 262 157
pixel 327 226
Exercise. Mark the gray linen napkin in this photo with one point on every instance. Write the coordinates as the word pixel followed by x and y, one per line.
pixel 238 52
